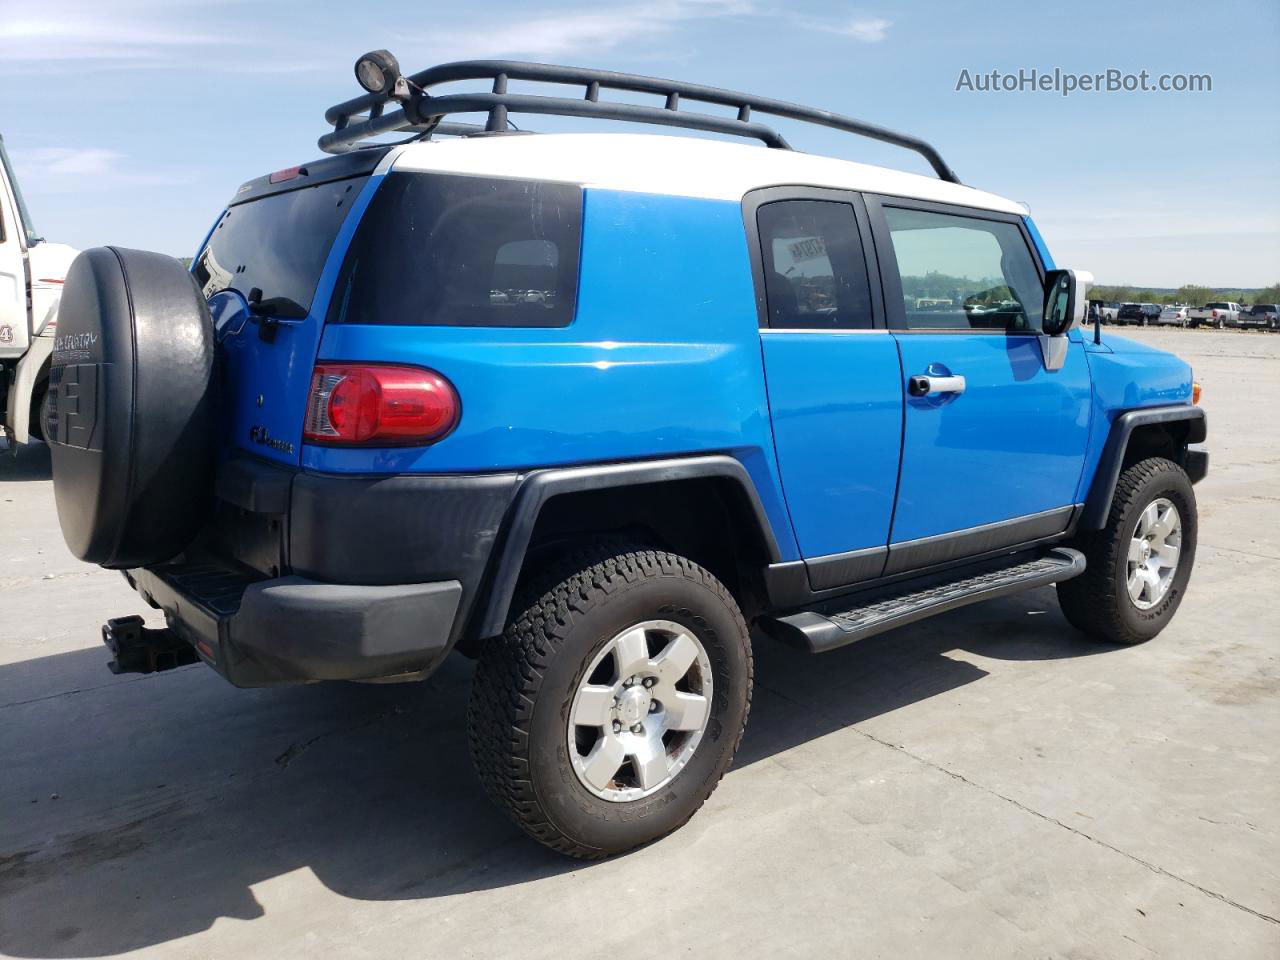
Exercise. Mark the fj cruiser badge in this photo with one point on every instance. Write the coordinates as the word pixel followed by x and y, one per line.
pixel 260 435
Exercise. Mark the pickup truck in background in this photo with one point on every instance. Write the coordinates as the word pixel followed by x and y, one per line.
pixel 1106 309
pixel 1218 314
pixel 31 275
pixel 1264 316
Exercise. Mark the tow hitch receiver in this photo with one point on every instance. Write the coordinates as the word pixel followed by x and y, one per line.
pixel 137 649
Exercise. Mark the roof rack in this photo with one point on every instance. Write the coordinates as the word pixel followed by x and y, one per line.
pixel 418 111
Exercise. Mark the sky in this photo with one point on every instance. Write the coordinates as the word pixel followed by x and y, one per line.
pixel 133 121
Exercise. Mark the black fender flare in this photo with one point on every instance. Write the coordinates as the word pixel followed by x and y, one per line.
pixel 1098 503
pixel 539 486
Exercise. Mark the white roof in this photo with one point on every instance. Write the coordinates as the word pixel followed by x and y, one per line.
pixel 679 166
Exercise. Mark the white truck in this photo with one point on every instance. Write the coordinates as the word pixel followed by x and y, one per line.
pixel 31 275
pixel 1220 313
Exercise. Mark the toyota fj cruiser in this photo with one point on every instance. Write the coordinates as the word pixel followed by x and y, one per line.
pixel 589 408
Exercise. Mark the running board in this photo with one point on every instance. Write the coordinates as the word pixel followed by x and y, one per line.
pixel 846 619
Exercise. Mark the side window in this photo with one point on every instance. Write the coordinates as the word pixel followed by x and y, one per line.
pixel 815 275
pixel 964 273
pixel 452 250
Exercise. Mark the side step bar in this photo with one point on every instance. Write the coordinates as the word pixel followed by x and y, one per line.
pixel 847 619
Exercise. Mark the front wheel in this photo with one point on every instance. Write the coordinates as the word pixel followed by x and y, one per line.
pixel 614 702
pixel 1140 562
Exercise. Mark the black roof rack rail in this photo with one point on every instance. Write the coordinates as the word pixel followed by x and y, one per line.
pixel 418 111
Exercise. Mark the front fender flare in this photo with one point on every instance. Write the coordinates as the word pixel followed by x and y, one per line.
pixel 1098 504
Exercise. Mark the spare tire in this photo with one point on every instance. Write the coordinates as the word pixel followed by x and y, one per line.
pixel 129 412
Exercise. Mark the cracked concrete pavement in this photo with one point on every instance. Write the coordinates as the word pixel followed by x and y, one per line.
pixel 984 784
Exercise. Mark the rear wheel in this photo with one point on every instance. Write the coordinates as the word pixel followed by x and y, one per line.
pixel 1140 562
pixel 614 702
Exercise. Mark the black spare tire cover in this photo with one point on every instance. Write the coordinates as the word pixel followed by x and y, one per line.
pixel 128 420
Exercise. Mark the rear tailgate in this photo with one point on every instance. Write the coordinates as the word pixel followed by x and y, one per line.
pixel 278 244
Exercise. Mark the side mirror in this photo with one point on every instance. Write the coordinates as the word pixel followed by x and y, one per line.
pixel 1061 300
pixel 1066 295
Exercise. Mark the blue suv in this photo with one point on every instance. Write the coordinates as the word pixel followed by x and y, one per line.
pixel 591 409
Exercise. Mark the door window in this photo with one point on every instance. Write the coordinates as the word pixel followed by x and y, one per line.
pixel 964 273
pixel 815 276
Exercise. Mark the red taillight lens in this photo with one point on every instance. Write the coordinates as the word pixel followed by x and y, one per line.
pixel 379 405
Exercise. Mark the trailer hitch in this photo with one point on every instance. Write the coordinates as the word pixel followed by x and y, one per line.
pixel 139 649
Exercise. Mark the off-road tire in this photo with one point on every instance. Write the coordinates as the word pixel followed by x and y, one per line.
pixel 526 679
pixel 39 415
pixel 1097 602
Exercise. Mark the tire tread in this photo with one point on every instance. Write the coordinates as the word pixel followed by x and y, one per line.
pixel 1091 602
pixel 511 668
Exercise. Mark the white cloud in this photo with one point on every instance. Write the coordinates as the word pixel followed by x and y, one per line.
pixel 130 35
pixel 47 170
pixel 66 161
pixel 559 33
pixel 865 29
pixel 870 30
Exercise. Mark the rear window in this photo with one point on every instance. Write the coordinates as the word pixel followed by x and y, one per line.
pixel 278 245
pixel 445 250
pixel 1215 306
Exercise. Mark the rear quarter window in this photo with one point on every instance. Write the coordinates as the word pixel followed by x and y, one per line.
pixel 446 250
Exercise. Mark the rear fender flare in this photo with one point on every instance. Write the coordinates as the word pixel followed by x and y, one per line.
pixel 541 485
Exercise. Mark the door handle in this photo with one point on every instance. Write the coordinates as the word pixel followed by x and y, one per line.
pixel 922 385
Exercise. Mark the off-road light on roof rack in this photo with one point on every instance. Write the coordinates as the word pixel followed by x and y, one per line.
pixel 377 71
pixel 419 112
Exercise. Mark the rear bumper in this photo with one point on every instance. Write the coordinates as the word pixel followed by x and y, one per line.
pixel 290 630
pixel 300 577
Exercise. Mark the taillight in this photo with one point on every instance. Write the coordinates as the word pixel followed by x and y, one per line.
pixel 282 176
pixel 377 405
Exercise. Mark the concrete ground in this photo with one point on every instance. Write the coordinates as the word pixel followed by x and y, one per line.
pixel 984 784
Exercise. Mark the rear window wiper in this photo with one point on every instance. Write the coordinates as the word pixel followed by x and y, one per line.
pixel 280 308
pixel 268 313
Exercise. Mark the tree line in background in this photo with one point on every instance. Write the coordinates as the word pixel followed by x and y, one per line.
pixel 958 288
pixel 1191 294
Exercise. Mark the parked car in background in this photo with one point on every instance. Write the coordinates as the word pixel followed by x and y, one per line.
pixel 1106 309
pixel 1129 313
pixel 1173 315
pixel 1265 316
pixel 1139 314
pixel 1220 313
pixel 31 275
